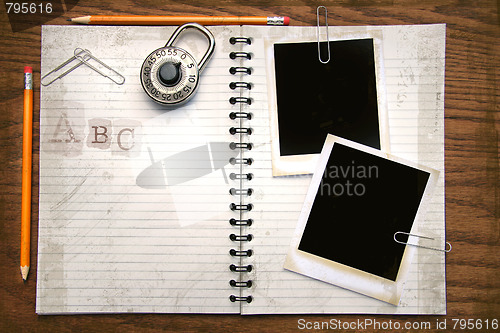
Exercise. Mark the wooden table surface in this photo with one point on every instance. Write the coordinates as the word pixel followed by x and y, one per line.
pixel 471 160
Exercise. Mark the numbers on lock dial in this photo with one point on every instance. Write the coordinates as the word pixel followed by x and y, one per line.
pixel 188 72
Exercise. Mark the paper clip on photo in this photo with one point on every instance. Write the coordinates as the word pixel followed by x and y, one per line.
pixel 327 37
pixel 446 249
pixel 82 57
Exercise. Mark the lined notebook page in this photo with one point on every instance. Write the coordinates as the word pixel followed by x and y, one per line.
pixel 414 73
pixel 134 199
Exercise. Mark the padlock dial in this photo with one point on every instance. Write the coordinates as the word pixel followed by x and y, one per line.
pixel 170 76
pixel 170 73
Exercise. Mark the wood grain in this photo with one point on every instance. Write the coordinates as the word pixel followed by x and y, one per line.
pixel 471 159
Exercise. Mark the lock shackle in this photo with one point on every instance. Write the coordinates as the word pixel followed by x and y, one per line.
pixel 205 31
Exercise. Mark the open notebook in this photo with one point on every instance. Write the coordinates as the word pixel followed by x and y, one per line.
pixel 144 209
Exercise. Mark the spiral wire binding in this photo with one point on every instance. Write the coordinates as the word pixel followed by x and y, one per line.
pixel 243 191
pixel 244 70
pixel 235 207
pixel 247 161
pixel 235 222
pixel 234 100
pixel 240 132
pixel 246 55
pixel 234 85
pixel 246 40
pixel 234 115
pixel 247 176
pixel 235 283
pixel 244 145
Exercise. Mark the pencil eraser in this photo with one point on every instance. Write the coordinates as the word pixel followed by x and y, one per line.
pixel 286 20
pixel 28 69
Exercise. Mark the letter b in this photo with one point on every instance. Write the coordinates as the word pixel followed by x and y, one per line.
pixel 100 131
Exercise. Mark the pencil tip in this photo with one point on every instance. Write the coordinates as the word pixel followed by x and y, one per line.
pixel 69 20
pixel 24 272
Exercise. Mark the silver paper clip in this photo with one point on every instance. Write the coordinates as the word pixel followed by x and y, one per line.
pixel 53 72
pixel 318 33
pixel 446 249
pixel 81 57
pixel 120 79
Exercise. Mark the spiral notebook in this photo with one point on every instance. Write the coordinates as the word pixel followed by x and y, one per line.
pixel 150 210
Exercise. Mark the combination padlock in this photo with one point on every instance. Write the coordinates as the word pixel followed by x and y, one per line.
pixel 170 75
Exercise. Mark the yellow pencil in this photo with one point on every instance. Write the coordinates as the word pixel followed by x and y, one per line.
pixel 26 181
pixel 178 20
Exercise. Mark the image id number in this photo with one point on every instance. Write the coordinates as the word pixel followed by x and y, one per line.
pixel 28 8
pixel 474 324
